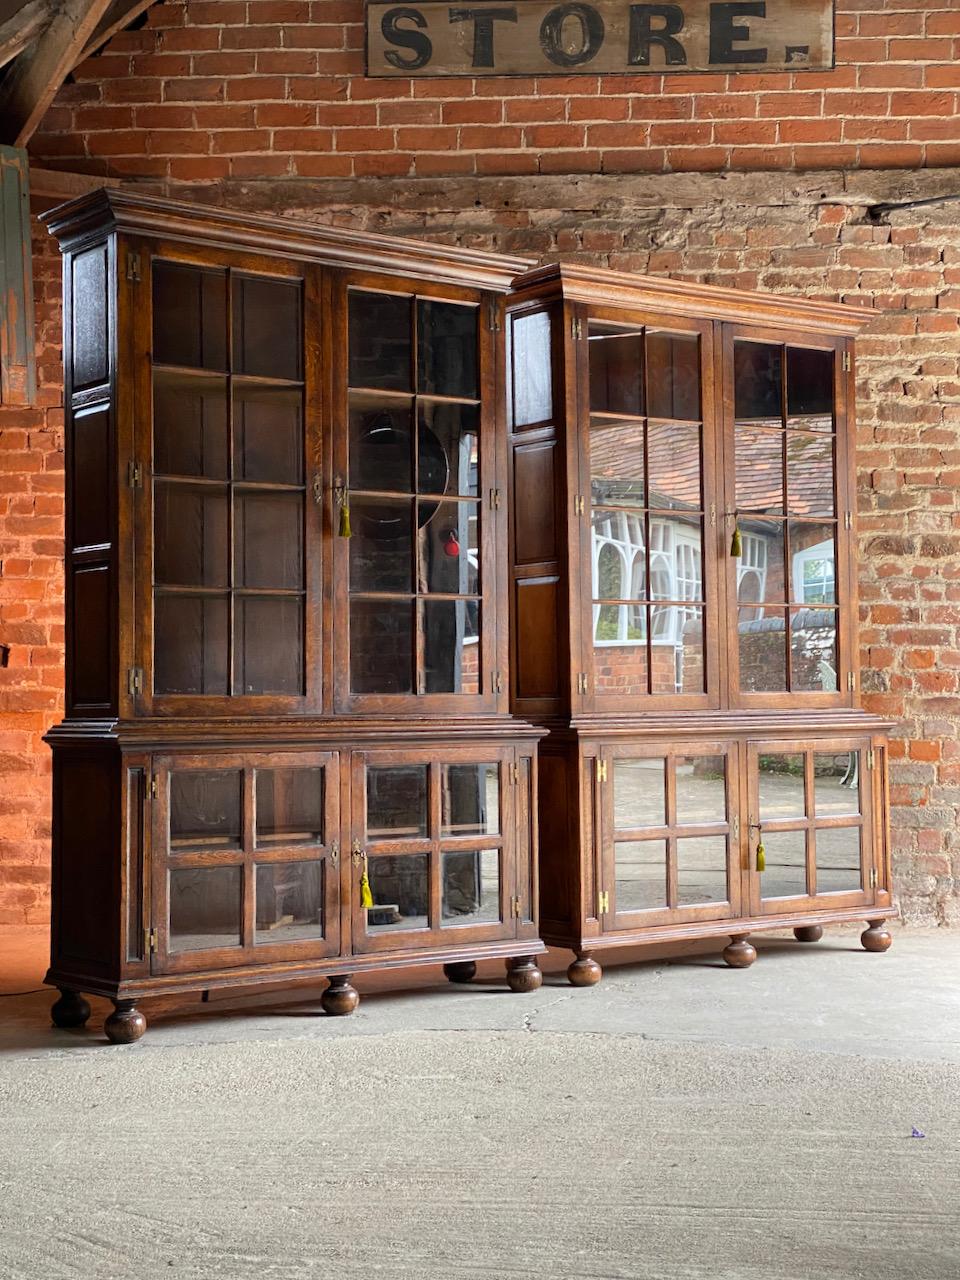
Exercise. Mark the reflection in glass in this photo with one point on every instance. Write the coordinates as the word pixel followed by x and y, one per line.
pixel 189 425
pixel 381 545
pixel 268 540
pixel 701 789
pixel 449 631
pixel 809 382
pixel 470 799
pixel 813 553
pixel 639 796
pixel 810 474
pixel 269 645
pixel 813 650
pixel 205 809
pixel 289 806
pixel 786 859
pixel 401 892
pixel 760 576
pixel 470 886
pixel 759 466
pixel 838 860
pixel 204 907
pixel 266 327
pixel 532 380
pixel 446 349
pixel 289 901
pixel 189 316
pixel 396 801
pixel 641 875
pixel 267 435
pixel 380 342
pixel 758 381
pixel 673 465
pixel 616 463
pixel 616 369
pixel 381 445
pixel 763 650
pixel 381 646
pixel 447 544
pixel 619 557
pixel 702 870
pixel 780 779
pixel 190 535
pixel 673 376
pixel 190 644
pixel 677 649
pixel 836 783
pixel 620 651
pixel 448 449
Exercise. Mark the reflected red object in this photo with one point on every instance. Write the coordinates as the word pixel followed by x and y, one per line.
pixel 451 546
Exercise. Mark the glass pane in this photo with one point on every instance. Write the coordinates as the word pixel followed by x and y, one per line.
pixel 763 650
pixel 639 795
pixel 446 349
pixel 641 875
pixel 396 801
pixel 190 535
pixel 381 548
pixel 447 449
pixel 813 556
pixel 760 577
pixel 780 780
pixel 401 892
pixel 289 901
pixel 813 647
pixel 381 445
pixel 673 465
pixel 758 381
pixel 268 532
pixel 838 860
pixel 190 644
pixel 450 636
pixel 266 327
pixel 189 425
pixel 189 316
pixel 448 552
pixel 269 646
pixel 380 341
pixel 616 463
pixel 381 646
pixel 289 806
pixel 532 369
pixel 702 870
pixel 677 649
pixel 267 435
pixel 786 862
pixel 759 466
pixel 836 783
pixel 470 798
pixel 673 376
pixel 620 649
pixel 810 383
pixel 810 475
pixel 619 559
pixel 205 907
pixel 205 809
pixel 616 369
pixel 701 789
pixel 470 887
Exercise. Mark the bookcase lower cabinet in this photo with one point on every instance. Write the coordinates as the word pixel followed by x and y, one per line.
pixel 713 836
pixel 242 866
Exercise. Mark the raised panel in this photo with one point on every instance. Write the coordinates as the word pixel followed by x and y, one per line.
pixel 86 874
pixel 89 646
pixel 91 326
pixel 90 451
pixel 534 503
pixel 537 620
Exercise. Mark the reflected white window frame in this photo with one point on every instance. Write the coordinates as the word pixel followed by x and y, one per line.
pixel 623 535
pixel 824 553
pixel 752 563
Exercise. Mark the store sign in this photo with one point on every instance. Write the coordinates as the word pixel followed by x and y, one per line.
pixel 542 38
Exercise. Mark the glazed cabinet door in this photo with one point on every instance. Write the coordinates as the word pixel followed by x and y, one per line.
pixel 810 805
pixel 669 834
pixel 246 859
pixel 435 835
pixel 645 515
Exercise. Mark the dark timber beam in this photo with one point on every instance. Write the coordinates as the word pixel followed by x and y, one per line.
pixel 117 18
pixel 20 28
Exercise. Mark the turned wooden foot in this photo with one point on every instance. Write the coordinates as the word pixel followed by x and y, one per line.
pixel 808 933
pixel 876 937
pixel 584 971
pixel 523 974
pixel 460 971
pixel 738 953
pixel 340 998
pixel 126 1024
pixel 71 1010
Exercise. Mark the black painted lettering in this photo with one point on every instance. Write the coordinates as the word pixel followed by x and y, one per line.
pixel 483 20
pixel 591 35
pixel 643 34
pixel 724 34
pixel 406 38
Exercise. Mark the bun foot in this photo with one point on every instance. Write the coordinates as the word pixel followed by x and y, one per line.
pixel 584 971
pixel 126 1024
pixel 738 953
pixel 523 974
pixel 875 938
pixel 340 998
pixel 808 933
pixel 71 1010
pixel 460 971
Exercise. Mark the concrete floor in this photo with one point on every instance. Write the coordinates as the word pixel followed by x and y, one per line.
pixel 681 1120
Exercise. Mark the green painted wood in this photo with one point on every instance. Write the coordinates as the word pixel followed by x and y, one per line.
pixel 18 374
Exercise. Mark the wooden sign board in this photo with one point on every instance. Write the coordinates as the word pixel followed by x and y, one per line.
pixel 603 37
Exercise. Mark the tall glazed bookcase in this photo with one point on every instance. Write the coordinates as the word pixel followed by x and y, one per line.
pixel 683 561
pixel 288 750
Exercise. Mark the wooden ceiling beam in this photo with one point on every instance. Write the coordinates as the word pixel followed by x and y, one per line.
pixel 21 28
pixel 117 18
pixel 32 80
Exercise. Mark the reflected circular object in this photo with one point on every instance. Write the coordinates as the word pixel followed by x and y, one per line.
pixel 389 443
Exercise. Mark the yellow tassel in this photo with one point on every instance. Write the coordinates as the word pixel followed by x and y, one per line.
pixel 345 530
pixel 366 897
pixel 761 857
pixel 736 544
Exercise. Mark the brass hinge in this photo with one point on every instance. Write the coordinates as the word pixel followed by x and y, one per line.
pixel 513 772
pixel 601 770
pixel 134 475
pixel 871 758
pixel 151 940
pixel 495 498
pixel 582 682
pixel 578 505
pixel 604 904
pixel 133 266
pixel 496 682
pixel 335 854
pixel 493 316
pixel 846 362
pixel 874 878
pixel 848 519
pixel 576 329
pixel 154 788
pixel 515 907
pixel 735 826
pixel 713 515
pixel 135 681
pixel 851 681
